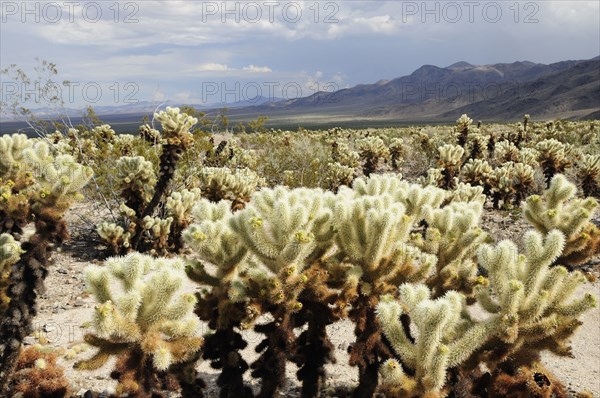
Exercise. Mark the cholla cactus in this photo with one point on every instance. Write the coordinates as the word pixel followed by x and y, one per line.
pixel 136 180
pixel 558 209
pixel 462 127
pixel 179 207
pixel 149 134
pixel 378 265
pixel 338 175
pixel 56 183
pixel 10 253
pixel 523 181
pixel 224 184
pixel 345 156
pixel 115 236
pixel 553 157
pixel 286 228
pixel 502 183
pixel 531 299
pixel 588 172
pixel 397 149
pixel 519 136
pixel 529 157
pixel 453 236
pixel 175 127
pixel 415 198
pixel 58 180
pixel 175 139
pixel 11 154
pixel 506 151
pixel 445 338
pixel 104 132
pixel 285 231
pixel 386 261
pixel 150 326
pixel 450 160
pixel 213 242
pixel 466 193
pixel 220 155
pixel 159 230
pixel 478 145
pixel 372 150
pixel 434 177
pixel 478 172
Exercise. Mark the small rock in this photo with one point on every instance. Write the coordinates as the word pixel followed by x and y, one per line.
pixel 79 303
pixel 29 340
pixel 62 271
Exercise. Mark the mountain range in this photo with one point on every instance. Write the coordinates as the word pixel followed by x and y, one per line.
pixel 506 91
pixel 496 92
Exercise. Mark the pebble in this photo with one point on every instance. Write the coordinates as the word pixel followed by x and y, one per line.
pixel 62 271
pixel 29 340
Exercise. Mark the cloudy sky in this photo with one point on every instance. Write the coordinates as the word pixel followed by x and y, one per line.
pixel 213 51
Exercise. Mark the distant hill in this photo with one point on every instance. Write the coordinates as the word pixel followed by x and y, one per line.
pixel 500 92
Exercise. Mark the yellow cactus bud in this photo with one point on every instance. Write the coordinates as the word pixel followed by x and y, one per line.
pixel 41 363
pixel 303 237
pixel 256 222
pixel 199 235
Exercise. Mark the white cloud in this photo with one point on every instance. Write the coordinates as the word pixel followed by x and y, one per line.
pixel 158 95
pixel 212 67
pixel 257 69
